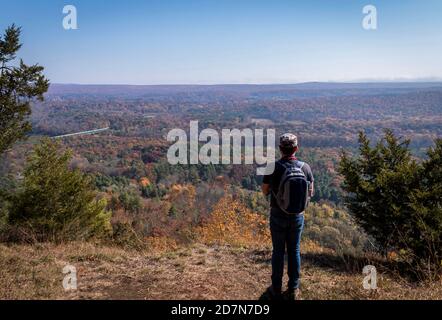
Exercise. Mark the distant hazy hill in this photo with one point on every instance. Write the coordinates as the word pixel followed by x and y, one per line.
pixel 315 88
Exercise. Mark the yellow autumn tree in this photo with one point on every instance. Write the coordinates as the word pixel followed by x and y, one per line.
pixel 232 223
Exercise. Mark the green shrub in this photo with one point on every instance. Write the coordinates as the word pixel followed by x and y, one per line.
pixel 55 202
pixel 395 199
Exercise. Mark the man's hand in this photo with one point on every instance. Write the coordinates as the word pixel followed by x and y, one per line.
pixel 265 188
pixel 311 190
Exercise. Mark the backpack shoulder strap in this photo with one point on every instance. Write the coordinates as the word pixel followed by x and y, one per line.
pixel 297 163
pixel 300 164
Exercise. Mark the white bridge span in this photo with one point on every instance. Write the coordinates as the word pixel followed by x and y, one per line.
pixel 82 132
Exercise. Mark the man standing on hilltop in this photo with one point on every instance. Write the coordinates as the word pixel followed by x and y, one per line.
pixel 290 186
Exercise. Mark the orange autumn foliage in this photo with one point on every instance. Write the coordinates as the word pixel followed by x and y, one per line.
pixel 233 224
pixel 144 182
pixel 161 244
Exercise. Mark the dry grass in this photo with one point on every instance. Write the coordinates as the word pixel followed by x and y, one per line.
pixel 35 272
pixel 195 272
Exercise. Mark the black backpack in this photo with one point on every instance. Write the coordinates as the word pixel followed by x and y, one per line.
pixel 292 196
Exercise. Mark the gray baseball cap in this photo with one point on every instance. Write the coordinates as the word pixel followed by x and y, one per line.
pixel 288 140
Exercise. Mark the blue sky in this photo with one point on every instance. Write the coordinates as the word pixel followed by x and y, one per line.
pixel 229 41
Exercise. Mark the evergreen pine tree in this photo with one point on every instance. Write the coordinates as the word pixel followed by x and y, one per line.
pixel 19 85
pixel 396 200
pixel 55 202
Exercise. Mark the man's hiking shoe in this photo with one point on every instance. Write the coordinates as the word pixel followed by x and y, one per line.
pixel 292 294
pixel 271 294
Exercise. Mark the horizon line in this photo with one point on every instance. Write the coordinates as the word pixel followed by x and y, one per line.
pixel 434 80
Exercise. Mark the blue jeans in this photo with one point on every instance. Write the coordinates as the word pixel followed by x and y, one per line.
pixel 286 232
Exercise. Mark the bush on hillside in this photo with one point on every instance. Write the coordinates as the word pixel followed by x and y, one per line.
pixel 396 200
pixel 54 202
pixel 232 223
pixel 335 229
